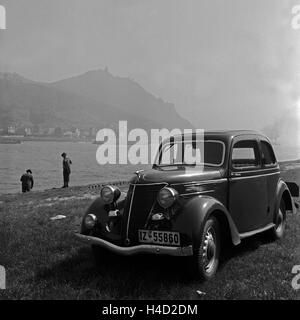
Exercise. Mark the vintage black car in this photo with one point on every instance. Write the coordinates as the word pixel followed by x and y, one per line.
pixel 186 208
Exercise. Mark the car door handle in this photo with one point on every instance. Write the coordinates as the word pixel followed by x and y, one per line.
pixel 235 174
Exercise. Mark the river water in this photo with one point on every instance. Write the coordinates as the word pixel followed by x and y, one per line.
pixel 44 159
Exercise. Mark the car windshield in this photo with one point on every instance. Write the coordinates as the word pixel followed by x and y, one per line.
pixel 200 152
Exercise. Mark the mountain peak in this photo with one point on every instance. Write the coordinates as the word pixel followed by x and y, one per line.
pixel 125 94
pixel 96 98
pixel 15 77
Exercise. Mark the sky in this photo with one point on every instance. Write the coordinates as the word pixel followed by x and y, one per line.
pixel 223 63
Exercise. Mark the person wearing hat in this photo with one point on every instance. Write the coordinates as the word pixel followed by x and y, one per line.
pixel 66 169
pixel 27 181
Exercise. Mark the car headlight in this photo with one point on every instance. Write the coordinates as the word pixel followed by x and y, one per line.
pixel 90 221
pixel 110 194
pixel 166 197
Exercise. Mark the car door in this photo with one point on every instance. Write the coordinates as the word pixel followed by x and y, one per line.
pixel 248 198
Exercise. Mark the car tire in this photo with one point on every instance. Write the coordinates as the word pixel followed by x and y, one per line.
pixel 277 232
pixel 205 259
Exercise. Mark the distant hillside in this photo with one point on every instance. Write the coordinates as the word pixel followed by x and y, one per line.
pixel 126 95
pixel 95 99
pixel 24 102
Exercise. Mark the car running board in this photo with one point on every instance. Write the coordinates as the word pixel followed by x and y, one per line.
pixel 252 233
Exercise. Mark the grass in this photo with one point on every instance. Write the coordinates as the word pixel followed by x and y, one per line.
pixel 43 260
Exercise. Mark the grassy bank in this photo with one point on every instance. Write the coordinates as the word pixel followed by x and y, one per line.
pixel 43 260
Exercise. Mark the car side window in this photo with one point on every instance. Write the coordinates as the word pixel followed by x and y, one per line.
pixel 245 155
pixel 268 156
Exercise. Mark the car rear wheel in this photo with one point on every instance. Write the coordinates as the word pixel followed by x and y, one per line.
pixel 277 232
pixel 206 256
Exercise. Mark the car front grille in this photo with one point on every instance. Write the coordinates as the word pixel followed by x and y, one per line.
pixel 140 200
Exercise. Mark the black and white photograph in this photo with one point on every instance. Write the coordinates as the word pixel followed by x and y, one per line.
pixel 149 150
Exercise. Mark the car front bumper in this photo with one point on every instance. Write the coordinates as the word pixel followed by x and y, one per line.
pixel 142 248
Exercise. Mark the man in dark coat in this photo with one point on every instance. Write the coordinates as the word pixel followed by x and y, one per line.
pixel 66 169
pixel 27 181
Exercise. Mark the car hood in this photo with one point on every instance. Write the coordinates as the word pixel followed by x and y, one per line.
pixel 174 174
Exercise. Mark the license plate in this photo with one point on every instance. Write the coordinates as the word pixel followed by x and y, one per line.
pixel 159 237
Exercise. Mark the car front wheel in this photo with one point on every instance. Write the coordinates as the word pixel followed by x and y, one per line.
pixel 206 255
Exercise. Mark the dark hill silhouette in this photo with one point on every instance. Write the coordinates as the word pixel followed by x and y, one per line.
pixel 125 94
pixel 25 102
pixel 95 99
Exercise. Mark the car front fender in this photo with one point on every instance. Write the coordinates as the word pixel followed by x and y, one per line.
pixel 100 209
pixel 196 211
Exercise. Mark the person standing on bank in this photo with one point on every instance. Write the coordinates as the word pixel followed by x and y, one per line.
pixel 27 181
pixel 66 169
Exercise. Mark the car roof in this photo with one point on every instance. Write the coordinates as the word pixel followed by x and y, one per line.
pixel 231 133
pixel 221 134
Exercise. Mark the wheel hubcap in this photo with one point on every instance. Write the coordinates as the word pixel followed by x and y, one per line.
pixel 209 250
